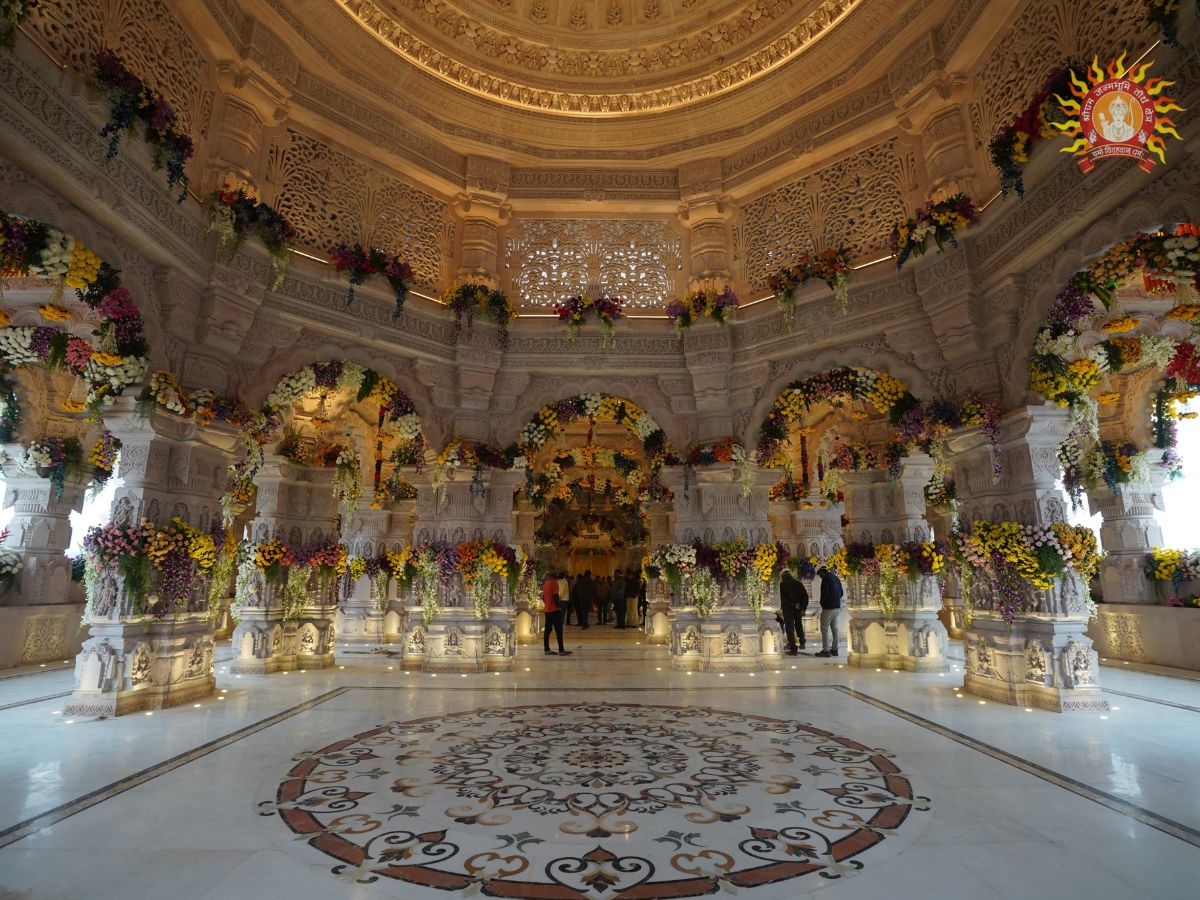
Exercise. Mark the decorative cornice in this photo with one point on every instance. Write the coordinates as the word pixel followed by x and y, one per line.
pixel 542 66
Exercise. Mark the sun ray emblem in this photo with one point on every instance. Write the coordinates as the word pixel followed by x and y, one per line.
pixel 1118 112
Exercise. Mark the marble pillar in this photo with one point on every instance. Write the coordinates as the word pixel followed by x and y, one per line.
pixel 295 505
pixel 1043 658
pixel 40 610
pixel 901 632
pixel 131 661
pixel 1128 532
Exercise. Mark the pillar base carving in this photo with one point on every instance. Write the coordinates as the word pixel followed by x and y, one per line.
pixel 36 634
pixel 912 641
pixel 129 665
pixel 728 640
pixel 1040 661
pixel 457 642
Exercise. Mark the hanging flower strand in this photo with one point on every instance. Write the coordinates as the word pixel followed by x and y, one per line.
pixel 360 263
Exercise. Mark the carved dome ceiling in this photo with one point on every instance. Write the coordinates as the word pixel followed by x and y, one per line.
pixel 578 78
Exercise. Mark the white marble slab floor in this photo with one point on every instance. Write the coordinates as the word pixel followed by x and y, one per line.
pixel 1004 802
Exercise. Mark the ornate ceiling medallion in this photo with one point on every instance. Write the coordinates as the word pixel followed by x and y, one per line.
pixel 527 67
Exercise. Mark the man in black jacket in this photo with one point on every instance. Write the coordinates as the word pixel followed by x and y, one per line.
pixel 793 603
pixel 584 595
pixel 831 608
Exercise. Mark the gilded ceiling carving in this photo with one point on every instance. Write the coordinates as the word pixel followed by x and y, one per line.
pixel 851 203
pixel 148 36
pixel 720 54
pixel 331 197
pixel 638 260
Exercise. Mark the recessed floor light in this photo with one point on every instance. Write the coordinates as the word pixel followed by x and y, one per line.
pixel 1027 709
pixel 722 674
pixel 1116 708
pixel 1104 717
pixel 149 713
pixel 390 668
pixel 341 667
pixel 464 674
pixel 433 674
pixel 57 712
pixel 983 703
pixel 195 706
pixel 69 722
pixel 220 698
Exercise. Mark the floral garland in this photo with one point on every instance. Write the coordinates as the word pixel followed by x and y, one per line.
pixel 1009 150
pixel 921 426
pixel 1175 566
pixel 362 262
pixel 54 459
pixel 347 482
pixel 671 562
pixel 235 215
pixel 477 456
pixel 133 101
pixel 940 220
pixel 697 305
pixel 831 266
pixel 29 247
pixel 11 565
pixel 1067 368
pixel 478 561
pixel 574 311
pixel 148 559
pixel 1107 462
pixel 553 417
pixel 12 14
pixel 1017 558
pixel 471 300
pixel 260 427
pixel 703 593
pixel 726 450
pixel 849 457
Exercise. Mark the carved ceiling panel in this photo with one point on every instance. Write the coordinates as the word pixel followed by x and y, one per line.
pixel 638 260
pixel 1048 33
pixel 332 197
pixel 147 35
pixel 853 203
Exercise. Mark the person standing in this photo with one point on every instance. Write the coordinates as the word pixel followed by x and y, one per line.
pixel 793 603
pixel 564 596
pixel 602 606
pixel 584 596
pixel 616 597
pixel 643 605
pixel 831 608
pixel 554 616
pixel 629 606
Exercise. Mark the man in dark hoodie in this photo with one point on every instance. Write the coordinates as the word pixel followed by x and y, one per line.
pixel 584 595
pixel 831 608
pixel 793 603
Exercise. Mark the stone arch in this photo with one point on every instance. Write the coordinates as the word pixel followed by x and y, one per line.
pixel 269 376
pixel 875 359
pixel 1171 199
pixel 643 392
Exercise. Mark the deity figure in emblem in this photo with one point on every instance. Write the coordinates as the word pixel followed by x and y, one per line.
pixel 1119 129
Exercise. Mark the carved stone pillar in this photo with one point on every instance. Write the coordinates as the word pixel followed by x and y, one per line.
pixel 721 503
pixel 457 638
pixel 295 505
pixel 1128 531
pixel 901 631
pixel 706 212
pixel 130 661
pixel 817 526
pixel 1044 658
pixel 248 105
pixel 483 210
pixel 39 613
pixel 360 619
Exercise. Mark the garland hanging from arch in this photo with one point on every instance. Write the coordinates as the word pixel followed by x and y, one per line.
pixel 547 422
pixel 831 266
pixel 119 357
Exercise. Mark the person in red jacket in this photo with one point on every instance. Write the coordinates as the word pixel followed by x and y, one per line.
pixel 554 616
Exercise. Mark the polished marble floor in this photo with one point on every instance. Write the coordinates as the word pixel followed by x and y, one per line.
pixel 600 775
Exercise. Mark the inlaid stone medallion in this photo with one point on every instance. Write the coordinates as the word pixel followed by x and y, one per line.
pixel 599 800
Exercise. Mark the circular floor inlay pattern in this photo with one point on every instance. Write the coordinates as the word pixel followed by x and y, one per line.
pixel 598 800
